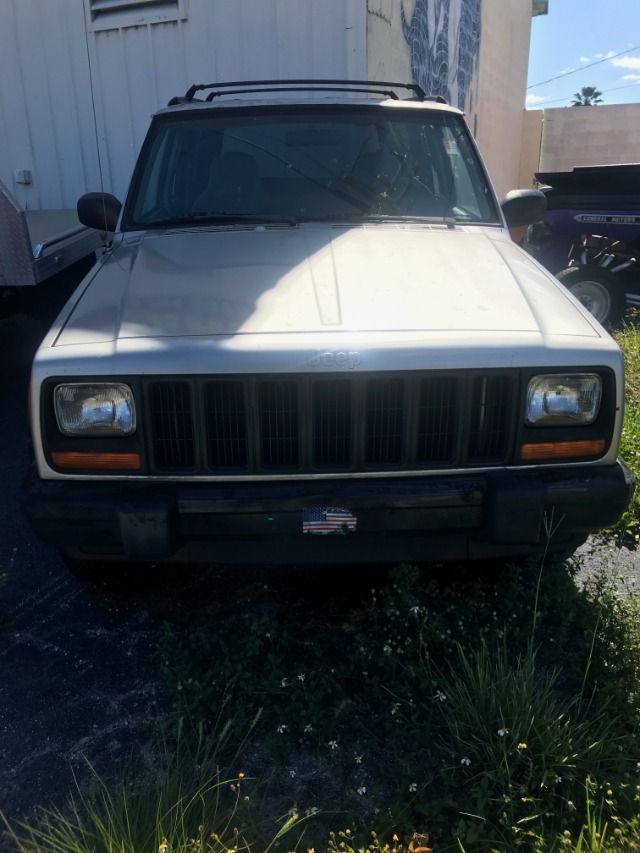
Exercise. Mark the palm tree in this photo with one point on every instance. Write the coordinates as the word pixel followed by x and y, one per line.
pixel 588 96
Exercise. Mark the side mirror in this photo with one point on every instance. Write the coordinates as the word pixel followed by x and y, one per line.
pixel 523 207
pixel 99 211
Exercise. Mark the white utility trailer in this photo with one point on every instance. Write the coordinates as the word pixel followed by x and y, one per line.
pixel 35 246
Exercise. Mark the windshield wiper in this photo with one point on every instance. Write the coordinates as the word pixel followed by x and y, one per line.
pixel 218 216
pixel 382 217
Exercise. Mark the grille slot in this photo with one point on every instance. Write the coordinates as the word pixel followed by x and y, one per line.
pixel 320 424
pixel 491 405
pixel 172 419
pixel 332 424
pixel 437 421
pixel 384 438
pixel 279 430
pixel 226 419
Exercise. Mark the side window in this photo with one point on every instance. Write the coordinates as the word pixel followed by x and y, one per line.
pixel 150 195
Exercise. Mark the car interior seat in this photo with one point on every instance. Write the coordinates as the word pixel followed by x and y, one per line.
pixel 235 186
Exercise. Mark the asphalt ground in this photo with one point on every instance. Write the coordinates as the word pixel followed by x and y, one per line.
pixel 80 689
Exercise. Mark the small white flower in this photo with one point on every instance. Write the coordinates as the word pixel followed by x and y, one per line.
pixel 292 773
pixel 558 779
pixel 362 790
pixel 413 787
pixel 387 650
pixel 357 758
pixel 394 709
pixel 301 676
pixel 440 696
pixel 313 810
pixel 285 681
pixel 506 798
pixel 466 761
pixel 333 744
pixel 415 610
pixel 282 728
pixel 308 728
pixel 502 732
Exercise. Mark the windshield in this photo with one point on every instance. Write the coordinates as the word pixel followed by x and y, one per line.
pixel 308 164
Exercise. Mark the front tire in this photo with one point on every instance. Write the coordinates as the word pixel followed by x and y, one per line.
pixel 600 291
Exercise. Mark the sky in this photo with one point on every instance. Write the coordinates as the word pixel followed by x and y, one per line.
pixel 573 36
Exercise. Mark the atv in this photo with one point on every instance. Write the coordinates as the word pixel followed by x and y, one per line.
pixel 590 236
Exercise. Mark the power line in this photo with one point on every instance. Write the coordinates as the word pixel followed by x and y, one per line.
pixel 582 67
pixel 543 104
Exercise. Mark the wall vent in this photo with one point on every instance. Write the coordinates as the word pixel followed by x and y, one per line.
pixel 114 14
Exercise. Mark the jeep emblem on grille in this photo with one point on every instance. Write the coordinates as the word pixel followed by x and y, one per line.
pixel 337 359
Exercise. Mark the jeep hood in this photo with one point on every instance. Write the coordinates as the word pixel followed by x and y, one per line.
pixel 313 279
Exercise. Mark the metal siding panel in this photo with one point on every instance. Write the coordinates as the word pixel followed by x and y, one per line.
pixel 111 87
pixel 14 119
pixel 227 31
pixel 201 54
pixel 169 61
pixel 258 39
pixel 45 102
pixel 294 40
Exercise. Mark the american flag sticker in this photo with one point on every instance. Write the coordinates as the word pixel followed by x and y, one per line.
pixel 328 519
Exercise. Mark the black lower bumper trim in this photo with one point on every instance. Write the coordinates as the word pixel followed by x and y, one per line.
pixel 489 514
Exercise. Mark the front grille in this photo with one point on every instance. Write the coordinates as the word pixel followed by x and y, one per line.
pixel 323 424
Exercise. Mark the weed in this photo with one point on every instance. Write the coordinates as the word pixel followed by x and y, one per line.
pixel 472 708
pixel 190 806
pixel 629 341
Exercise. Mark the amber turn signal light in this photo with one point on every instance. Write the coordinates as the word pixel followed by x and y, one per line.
pixel 77 461
pixel 550 450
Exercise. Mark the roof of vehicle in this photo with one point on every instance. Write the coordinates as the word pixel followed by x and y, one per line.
pixel 260 93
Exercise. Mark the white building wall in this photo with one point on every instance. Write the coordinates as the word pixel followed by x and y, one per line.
pixel 388 54
pixel 46 122
pixel 53 74
pixel 497 115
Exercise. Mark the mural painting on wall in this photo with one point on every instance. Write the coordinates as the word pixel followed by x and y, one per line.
pixel 444 40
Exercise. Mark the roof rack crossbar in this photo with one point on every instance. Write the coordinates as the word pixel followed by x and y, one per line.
pixel 388 92
pixel 346 86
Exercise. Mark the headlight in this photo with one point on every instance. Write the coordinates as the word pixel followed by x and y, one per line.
pixel 555 400
pixel 95 409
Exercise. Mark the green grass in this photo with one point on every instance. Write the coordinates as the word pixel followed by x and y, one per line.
pixel 629 340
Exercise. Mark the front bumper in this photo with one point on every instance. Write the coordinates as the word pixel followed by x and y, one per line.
pixel 449 517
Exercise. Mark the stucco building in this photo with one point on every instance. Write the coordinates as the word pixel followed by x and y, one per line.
pixel 557 140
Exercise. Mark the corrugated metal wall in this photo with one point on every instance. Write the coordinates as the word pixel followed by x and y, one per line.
pixel 46 124
pixel 54 75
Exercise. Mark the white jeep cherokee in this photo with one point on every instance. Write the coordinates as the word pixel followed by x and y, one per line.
pixel 313 340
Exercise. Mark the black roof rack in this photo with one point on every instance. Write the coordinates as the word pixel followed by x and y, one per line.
pixel 245 86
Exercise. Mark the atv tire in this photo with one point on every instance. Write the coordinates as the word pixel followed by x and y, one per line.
pixel 601 292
